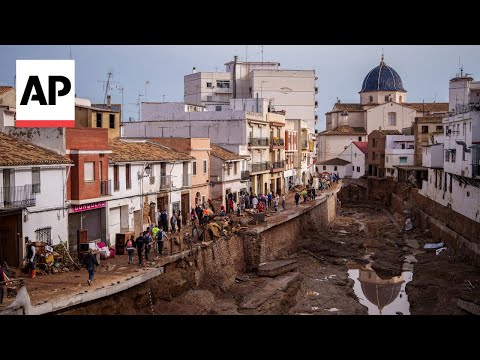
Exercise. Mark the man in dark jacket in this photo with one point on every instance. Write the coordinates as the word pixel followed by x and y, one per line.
pixel 90 263
pixel 139 246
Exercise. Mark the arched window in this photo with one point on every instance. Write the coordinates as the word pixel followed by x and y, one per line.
pixel 370 98
pixel 392 119
pixel 401 98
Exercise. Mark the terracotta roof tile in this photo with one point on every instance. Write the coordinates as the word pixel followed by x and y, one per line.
pixel 4 89
pixel 345 130
pixel 335 161
pixel 347 107
pixel 429 107
pixel 362 146
pixel 224 154
pixel 385 132
pixel 128 151
pixel 16 152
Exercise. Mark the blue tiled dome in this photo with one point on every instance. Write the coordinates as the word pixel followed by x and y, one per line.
pixel 382 78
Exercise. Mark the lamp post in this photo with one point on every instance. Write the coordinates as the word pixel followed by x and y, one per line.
pixel 144 173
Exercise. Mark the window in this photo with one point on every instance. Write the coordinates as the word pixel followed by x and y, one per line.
pixel 463 155
pixel 324 167
pixel 454 155
pixel 353 168
pixel 235 169
pixel 403 159
pixel 116 183
pixel 386 97
pixel 450 186
pixel 99 120
pixel 228 168
pixel 334 168
pixel 209 98
pixel 355 154
pixel 374 143
pixel 401 99
pixel 225 84
pixel 424 129
pixel 209 84
pixel 439 128
pixel 194 170
pixel 464 128
pixel 358 168
pixel 373 155
pixel 203 199
pixel 128 176
pixel 387 158
pixel 44 235
pixel 370 98
pixel 218 108
pixel 447 156
pixel 35 180
pixel 112 121
pixel 392 119
pixel 88 172
pixel 359 138
pixel 204 166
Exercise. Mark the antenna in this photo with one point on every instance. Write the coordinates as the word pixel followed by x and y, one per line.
pixel 121 89
pixel 107 85
pixel 147 82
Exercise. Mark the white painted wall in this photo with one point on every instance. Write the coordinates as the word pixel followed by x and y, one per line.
pixel 342 170
pixel 354 119
pixel 330 146
pixel 357 159
pixel 50 208
pixel 463 199
pixel 377 117
pixel 433 156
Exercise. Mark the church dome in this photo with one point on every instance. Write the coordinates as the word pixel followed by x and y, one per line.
pixel 382 78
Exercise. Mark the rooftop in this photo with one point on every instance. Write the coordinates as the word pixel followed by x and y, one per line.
pixel 429 107
pixel 345 130
pixel 335 161
pixel 223 154
pixel 362 146
pixel 16 152
pixel 4 89
pixel 128 151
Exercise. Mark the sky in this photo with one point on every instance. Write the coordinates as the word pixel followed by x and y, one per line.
pixel 425 69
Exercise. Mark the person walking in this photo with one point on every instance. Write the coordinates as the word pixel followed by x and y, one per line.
pixel 283 202
pixel 161 236
pixel 173 222
pixel 90 263
pixel 179 221
pixel 147 243
pixel 130 250
pixel 139 246
pixel 297 198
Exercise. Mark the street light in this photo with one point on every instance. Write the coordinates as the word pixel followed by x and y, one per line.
pixel 145 172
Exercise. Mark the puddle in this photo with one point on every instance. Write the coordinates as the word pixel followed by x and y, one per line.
pixel 381 296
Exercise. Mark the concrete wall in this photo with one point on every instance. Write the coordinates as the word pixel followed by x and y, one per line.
pixel 49 138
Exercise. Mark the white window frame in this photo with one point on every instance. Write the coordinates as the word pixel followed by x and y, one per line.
pixel 86 170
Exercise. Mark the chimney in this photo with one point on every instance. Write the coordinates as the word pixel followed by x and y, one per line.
pixel 194 70
pixel 109 105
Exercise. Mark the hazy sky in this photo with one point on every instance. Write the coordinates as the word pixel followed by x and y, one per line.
pixel 425 70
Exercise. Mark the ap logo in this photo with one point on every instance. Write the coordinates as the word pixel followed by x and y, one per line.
pixel 45 93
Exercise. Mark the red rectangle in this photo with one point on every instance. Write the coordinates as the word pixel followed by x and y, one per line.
pixel 45 123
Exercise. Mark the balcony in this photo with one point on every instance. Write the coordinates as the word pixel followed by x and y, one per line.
pixel 475 170
pixel 35 188
pixel 17 197
pixel 278 166
pixel 152 180
pixel 165 183
pixel 277 143
pixel 106 187
pixel 187 180
pixel 245 175
pixel 261 166
pixel 258 142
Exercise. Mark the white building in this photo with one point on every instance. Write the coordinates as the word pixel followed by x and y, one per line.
pixel 399 150
pixel 32 197
pixel 456 182
pixel 340 166
pixel 356 154
pixel 225 174
pixel 292 91
pixel 244 132
pixel 383 106
pixel 145 173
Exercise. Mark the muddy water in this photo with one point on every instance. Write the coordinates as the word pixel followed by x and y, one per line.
pixel 382 296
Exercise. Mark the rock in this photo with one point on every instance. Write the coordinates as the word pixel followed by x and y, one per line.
pixel 413 244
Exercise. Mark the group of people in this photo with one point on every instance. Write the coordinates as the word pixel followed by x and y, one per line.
pixel 261 202
pixel 175 221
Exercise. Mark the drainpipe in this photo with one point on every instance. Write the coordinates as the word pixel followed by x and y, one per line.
pixel 235 60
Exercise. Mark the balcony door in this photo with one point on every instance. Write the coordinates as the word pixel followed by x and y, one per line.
pixel 8 184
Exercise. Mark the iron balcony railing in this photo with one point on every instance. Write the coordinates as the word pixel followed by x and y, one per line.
pixel 36 188
pixel 152 180
pixel 17 197
pixel 277 142
pixel 261 166
pixel 245 175
pixel 187 180
pixel 258 142
pixel 278 164
pixel 166 182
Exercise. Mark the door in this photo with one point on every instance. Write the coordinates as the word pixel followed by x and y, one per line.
pixel 185 208
pixel 9 240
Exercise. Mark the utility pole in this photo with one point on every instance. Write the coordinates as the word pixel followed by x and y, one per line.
pixel 147 82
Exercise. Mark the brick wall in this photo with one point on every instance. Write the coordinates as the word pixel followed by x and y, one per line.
pixel 87 139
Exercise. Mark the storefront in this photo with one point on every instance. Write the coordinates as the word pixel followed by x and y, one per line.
pixel 90 217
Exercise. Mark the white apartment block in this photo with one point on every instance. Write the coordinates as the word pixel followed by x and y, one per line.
pixel 356 154
pixel 399 151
